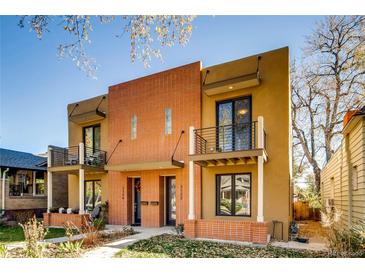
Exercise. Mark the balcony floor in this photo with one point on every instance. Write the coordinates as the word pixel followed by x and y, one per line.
pixel 70 169
pixel 242 157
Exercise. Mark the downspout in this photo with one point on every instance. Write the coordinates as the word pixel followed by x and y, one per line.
pixel 3 193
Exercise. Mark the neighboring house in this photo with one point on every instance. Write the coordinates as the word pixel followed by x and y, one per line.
pixel 24 183
pixel 343 177
pixel 208 148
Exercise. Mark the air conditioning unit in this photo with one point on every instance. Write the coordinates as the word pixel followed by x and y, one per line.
pixel 329 202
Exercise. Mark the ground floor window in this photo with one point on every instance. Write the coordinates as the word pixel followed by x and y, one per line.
pixel 26 183
pixel 39 183
pixel 92 194
pixel 233 194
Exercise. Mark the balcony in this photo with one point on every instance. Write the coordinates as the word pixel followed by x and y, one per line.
pixel 76 157
pixel 229 144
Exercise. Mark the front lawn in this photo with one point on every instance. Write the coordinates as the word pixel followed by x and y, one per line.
pixel 173 246
pixel 10 234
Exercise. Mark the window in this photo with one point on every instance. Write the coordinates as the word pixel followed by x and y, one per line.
pixel 168 121
pixel 22 183
pixel 92 194
pixel 354 178
pixel 234 121
pixel 39 184
pixel 134 127
pixel 234 194
pixel 92 138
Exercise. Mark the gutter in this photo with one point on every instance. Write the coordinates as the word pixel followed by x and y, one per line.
pixel 2 212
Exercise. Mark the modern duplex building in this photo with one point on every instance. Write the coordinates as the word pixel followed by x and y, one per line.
pixel 343 178
pixel 208 148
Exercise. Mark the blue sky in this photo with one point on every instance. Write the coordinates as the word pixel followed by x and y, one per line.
pixel 36 87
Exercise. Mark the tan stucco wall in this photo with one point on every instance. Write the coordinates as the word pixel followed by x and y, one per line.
pixel 73 188
pixel 351 202
pixel 75 137
pixel 271 99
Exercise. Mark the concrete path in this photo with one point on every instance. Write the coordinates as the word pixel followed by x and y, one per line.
pixel 110 249
pixel 296 245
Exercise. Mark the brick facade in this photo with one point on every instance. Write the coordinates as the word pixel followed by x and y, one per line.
pixel 231 230
pixel 147 98
pixel 59 219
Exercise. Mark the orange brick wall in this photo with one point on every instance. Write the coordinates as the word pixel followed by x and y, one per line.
pixel 244 231
pixel 147 98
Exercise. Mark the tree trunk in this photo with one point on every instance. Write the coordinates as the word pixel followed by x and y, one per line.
pixel 317 178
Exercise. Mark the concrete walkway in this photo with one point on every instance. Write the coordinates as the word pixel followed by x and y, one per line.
pixel 296 245
pixel 110 249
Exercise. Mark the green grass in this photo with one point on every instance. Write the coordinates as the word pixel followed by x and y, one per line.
pixel 172 246
pixel 15 234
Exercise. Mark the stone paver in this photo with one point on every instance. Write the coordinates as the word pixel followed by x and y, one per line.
pixel 110 249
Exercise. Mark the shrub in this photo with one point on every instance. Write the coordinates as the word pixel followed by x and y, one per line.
pixel 99 224
pixel 70 249
pixel 3 251
pixel 343 241
pixel 22 216
pixel 104 214
pixel 91 234
pixel 34 233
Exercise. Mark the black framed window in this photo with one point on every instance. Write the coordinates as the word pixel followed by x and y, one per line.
pixel 233 194
pixel 234 122
pixel 92 137
pixel 92 194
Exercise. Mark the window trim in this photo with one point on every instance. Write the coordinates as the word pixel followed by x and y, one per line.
pixel 354 167
pixel 217 194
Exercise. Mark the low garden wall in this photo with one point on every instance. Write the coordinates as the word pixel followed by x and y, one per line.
pixel 243 231
pixel 60 219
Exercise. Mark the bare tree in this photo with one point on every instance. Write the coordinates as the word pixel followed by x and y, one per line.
pixel 147 34
pixel 330 81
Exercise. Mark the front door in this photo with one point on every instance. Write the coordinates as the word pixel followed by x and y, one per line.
pixel 171 200
pixel 137 201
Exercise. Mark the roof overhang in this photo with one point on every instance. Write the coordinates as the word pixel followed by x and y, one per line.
pixel 156 165
pixel 352 123
pixel 86 117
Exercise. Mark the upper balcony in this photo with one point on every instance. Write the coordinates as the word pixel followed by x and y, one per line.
pixel 229 144
pixel 76 157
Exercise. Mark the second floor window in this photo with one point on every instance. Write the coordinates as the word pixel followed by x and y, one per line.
pixel 92 137
pixel 134 127
pixel 168 121
pixel 234 122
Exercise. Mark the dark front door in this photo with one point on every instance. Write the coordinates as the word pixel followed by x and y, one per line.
pixel 137 201
pixel 171 200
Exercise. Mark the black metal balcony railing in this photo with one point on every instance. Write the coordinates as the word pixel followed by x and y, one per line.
pixel 71 156
pixel 236 137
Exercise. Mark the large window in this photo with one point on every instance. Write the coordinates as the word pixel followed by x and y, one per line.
pixel 234 121
pixel 92 194
pixel 27 183
pixel 234 194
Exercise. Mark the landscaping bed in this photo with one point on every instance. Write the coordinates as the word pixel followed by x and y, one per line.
pixel 173 246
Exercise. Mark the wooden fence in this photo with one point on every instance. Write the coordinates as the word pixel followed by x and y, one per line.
pixel 302 211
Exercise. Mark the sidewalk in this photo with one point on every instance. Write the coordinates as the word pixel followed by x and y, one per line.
pixel 110 249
